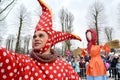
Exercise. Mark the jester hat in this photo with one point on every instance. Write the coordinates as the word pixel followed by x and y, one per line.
pixel 45 24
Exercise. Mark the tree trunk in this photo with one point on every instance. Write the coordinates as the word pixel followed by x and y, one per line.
pixel 18 37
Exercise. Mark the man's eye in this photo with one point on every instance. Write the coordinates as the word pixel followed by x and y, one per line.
pixel 34 36
pixel 41 35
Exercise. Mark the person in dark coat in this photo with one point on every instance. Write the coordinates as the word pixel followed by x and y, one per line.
pixel 113 65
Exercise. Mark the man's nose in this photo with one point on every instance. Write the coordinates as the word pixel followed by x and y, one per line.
pixel 37 38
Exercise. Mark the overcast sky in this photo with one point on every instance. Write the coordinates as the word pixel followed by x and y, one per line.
pixel 78 8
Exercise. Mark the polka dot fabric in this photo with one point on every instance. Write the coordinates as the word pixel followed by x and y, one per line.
pixel 20 67
pixel 45 24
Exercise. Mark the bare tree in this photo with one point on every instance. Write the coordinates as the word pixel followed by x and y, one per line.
pixel 9 42
pixel 26 44
pixel 96 17
pixel 108 32
pixel 21 21
pixel 1 40
pixel 3 30
pixel 8 7
pixel 66 20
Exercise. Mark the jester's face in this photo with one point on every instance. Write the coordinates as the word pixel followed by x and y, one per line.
pixel 39 39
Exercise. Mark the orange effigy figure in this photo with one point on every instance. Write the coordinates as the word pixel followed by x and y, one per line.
pixel 96 69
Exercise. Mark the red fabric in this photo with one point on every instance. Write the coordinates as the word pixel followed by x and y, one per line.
pixel 93 34
pixel 93 40
pixel 68 52
pixel 83 52
pixel 96 66
pixel 45 24
pixel 20 67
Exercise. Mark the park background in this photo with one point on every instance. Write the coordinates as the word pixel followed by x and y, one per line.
pixel 23 15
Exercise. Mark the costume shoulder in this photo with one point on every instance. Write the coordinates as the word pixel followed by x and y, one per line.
pixel 72 73
pixel 9 62
pixel 5 54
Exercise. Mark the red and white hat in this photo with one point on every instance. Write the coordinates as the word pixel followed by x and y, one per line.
pixel 45 24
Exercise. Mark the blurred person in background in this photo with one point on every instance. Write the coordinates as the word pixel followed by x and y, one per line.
pixel 114 61
pixel 76 65
pixel 118 69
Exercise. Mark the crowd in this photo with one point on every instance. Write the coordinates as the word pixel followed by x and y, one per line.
pixel 111 60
